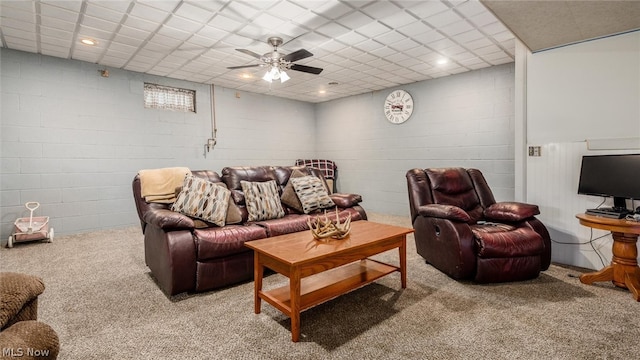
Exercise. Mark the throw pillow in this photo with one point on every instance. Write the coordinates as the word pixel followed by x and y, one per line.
pixel 262 200
pixel 289 196
pixel 203 200
pixel 312 193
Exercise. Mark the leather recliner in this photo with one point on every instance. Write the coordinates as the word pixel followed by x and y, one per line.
pixel 462 231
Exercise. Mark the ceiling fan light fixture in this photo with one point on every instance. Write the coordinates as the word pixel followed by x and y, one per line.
pixel 267 77
pixel 284 77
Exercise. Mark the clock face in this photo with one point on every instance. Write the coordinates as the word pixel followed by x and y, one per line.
pixel 398 106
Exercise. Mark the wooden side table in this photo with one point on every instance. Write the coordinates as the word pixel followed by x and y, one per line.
pixel 623 271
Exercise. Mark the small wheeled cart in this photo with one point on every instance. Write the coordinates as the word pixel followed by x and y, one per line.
pixel 31 228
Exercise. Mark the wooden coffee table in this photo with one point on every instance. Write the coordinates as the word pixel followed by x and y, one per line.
pixel 322 270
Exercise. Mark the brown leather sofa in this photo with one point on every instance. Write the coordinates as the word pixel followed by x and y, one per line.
pixel 461 230
pixel 184 257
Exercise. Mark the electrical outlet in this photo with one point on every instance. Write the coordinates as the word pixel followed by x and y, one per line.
pixel 535 151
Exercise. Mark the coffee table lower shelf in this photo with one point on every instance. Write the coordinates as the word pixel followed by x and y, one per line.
pixel 329 284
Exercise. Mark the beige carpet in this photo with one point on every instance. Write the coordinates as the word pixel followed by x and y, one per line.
pixel 104 304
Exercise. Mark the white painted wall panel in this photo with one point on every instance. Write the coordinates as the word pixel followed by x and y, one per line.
pixel 584 91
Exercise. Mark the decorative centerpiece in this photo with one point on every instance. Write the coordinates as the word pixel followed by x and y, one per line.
pixel 324 228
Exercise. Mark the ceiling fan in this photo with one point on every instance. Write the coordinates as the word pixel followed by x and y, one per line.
pixel 278 62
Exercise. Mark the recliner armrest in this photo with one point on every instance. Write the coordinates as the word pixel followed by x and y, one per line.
pixel 168 220
pixel 448 212
pixel 511 211
pixel 345 200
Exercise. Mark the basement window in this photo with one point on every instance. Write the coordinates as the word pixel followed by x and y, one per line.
pixel 169 98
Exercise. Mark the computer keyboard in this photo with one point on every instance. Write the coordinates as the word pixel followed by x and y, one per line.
pixel 609 212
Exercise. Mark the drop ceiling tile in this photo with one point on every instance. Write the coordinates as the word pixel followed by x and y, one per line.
pixel 310 20
pixel 351 37
pixel 268 21
pixel 397 19
pixel 212 33
pixel 113 61
pixel 333 30
pixel 368 45
pixel 183 24
pixel 483 19
pixel 20 25
pixel 390 37
pixel 468 36
pixel 384 52
pixel 19 34
pixel 96 34
pixel 425 9
pixel 54 41
pixel 477 44
pixel 470 8
pixel 414 29
pixel 173 33
pixel 355 20
pixel 380 9
pixel 332 10
pixel 27 6
pixel 104 13
pixel 443 19
pixel 99 24
pixel 193 13
pixel 456 28
pixel 140 24
pixel 225 23
pixel 404 44
pixel 127 41
pixel 17 14
pixel 58 13
pixel 155 15
pixel 73 6
pixel 21 44
pixel 164 5
pixel 287 10
pixel 165 40
pixel 441 44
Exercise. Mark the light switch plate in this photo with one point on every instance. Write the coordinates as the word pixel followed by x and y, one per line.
pixel 535 151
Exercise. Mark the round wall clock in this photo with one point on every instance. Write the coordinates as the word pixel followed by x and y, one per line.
pixel 398 106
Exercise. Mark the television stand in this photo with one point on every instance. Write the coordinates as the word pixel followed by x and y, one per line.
pixel 623 271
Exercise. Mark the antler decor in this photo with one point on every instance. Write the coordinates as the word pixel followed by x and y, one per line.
pixel 323 228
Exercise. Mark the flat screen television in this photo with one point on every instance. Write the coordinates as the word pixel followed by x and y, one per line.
pixel 616 176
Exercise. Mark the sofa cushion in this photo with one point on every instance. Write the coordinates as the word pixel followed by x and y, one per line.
pixel 203 200
pixel 262 200
pixel 502 240
pixel 218 242
pixel 290 223
pixel 312 193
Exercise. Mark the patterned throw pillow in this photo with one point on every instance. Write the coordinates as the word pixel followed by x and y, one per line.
pixel 289 196
pixel 262 200
pixel 312 193
pixel 202 199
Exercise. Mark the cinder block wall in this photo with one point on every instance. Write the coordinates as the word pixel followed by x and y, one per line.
pixel 73 140
pixel 460 120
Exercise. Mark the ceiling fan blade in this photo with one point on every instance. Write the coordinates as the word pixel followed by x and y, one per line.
pixel 307 69
pixel 243 66
pixel 250 53
pixel 297 55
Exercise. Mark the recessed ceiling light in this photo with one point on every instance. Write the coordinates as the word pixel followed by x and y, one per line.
pixel 89 42
pixel 247 76
pixel 443 61
pixel 322 92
